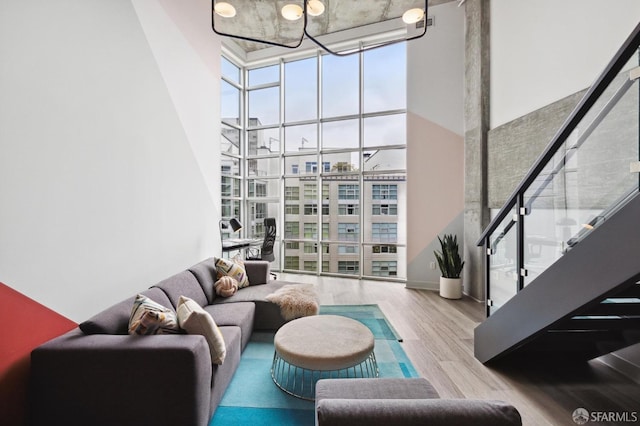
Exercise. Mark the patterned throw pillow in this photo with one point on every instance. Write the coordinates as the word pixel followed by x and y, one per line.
pixel 229 268
pixel 149 317
pixel 195 320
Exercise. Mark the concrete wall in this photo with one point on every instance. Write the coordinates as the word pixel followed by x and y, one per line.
pixel 435 143
pixel 545 50
pixel 108 132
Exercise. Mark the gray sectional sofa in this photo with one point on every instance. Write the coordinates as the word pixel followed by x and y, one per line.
pixel 97 374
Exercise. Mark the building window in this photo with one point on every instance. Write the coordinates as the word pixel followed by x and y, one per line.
pixel 310 265
pixel 384 209
pixel 384 268
pixel 348 192
pixel 310 209
pixel 292 193
pixel 294 169
pixel 326 167
pixel 384 232
pixel 348 231
pixel 384 192
pixel 311 231
pixel 291 230
pixel 325 266
pixel 348 209
pixel 325 231
pixel 311 167
pixel 310 191
pixel 348 249
pixel 291 209
pixel 384 249
pixel 348 267
pixel 292 245
pixel 292 262
pixel 310 248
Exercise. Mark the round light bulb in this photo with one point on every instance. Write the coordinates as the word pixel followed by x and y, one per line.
pixel 292 12
pixel 315 7
pixel 225 9
pixel 412 16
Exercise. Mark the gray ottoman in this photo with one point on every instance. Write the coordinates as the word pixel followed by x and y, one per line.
pixel 316 347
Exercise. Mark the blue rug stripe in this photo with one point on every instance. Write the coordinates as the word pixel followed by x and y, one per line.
pixel 370 315
pixel 263 417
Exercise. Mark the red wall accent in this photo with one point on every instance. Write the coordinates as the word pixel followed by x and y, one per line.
pixel 25 325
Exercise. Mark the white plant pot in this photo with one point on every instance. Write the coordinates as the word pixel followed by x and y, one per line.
pixel 451 288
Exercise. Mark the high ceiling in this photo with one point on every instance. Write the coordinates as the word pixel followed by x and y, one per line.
pixel 261 19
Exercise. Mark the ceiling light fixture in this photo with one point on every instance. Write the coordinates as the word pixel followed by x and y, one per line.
pixel 225 9
pixel 292 12
pixel 315 7
pixel 343 27
pixel 412 16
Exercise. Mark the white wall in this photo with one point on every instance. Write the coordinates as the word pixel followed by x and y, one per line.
pixel 103 186
pixel 544 50
pixel 435 141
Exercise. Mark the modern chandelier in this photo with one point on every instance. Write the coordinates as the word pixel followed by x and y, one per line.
pixel 328 23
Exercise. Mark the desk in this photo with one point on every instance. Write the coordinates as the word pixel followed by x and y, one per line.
pixel 231 244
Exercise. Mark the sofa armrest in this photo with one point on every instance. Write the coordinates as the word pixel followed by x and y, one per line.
pixel 418 412
pixel 257 271
pixel 79 379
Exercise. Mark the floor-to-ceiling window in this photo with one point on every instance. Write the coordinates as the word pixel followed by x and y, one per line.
pixel 231 137
pixel 326 155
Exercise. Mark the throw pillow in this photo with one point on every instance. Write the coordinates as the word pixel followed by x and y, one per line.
pixel 149 317
pixel 226 286
pixel 195 320
pixel 229 268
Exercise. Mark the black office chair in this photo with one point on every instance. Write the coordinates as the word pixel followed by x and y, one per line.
pixel 266 251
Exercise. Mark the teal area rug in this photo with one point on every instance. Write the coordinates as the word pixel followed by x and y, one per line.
pixel 253 399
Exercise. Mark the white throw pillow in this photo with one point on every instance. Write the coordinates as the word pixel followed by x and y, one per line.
pixel 195 320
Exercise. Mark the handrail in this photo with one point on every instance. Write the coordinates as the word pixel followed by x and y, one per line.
pixel 611 71
pixel 606 109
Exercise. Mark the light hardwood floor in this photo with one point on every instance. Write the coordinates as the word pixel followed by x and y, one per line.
pixel 438 338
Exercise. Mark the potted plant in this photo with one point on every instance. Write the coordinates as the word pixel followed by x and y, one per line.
pixel 450 264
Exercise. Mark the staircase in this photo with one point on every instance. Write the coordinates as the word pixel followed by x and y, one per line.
pixel 563 253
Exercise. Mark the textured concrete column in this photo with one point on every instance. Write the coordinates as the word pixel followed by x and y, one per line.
pixel 476 117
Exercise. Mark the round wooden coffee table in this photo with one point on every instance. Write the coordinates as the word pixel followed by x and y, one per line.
pixel 322 346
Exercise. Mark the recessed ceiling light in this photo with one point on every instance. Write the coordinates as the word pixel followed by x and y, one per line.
pixel 225 9
pixel 412 16
pixel 292 12
pixel 315 7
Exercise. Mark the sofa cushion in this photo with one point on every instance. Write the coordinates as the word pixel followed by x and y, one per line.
pixel 222 374
pixel 183 284
pixel 230 268
pixel 149 317
pixel 238 314
pixel 206 274
pixel 195 320
pixel 258 271
pixel 115 319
